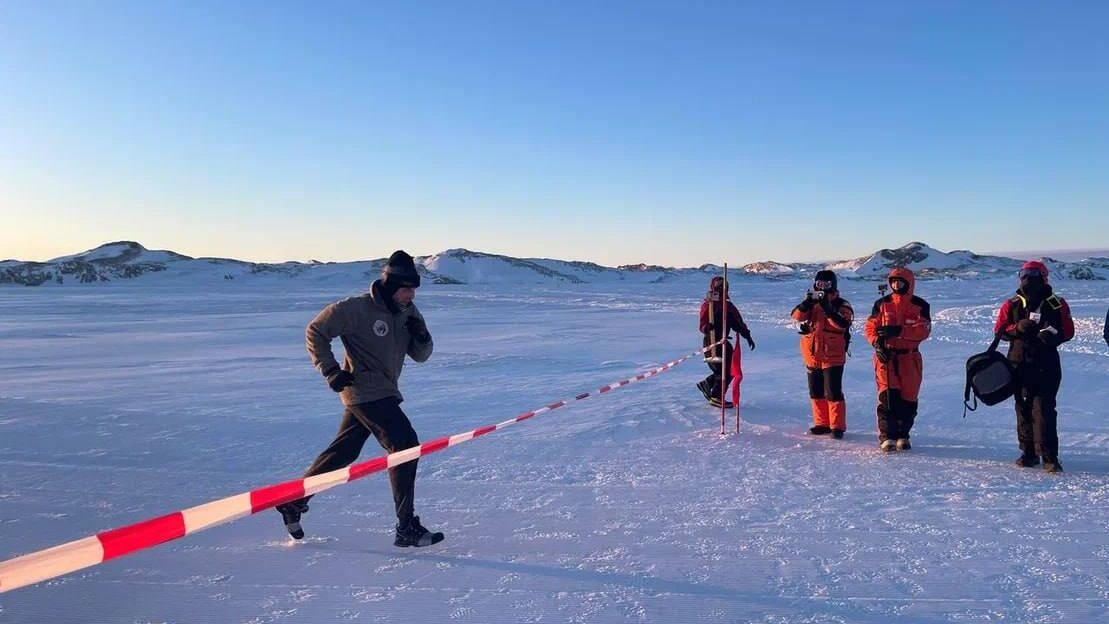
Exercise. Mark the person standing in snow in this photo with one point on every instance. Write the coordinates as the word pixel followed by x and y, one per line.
pixel 1035 322
pixel 719 358
pixel 825 319
pixel 898 323
pixel 378 329
pixel 1105 332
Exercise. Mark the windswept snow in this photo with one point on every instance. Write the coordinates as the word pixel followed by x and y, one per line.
pixel 120 403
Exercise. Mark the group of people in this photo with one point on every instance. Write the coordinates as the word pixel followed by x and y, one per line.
pixel 1035 322
pixel 382 327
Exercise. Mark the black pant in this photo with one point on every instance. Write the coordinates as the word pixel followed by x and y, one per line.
pixel 1036 415
pixel 393 431
pixel 895 415
pixel 720 369
pixel 826 383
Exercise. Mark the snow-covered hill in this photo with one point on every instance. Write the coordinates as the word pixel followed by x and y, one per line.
pixel 127 260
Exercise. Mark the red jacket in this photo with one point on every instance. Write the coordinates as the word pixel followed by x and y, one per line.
pixel 824 344
pixel 912 313
pixel 1054 327
pixel 735 322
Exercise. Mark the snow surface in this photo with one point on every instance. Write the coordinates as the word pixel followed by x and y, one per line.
pixel 126 401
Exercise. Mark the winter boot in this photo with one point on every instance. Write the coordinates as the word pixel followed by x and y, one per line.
pixel 888 446
pixel 903 444
pixel 715 402
pixel 837 434
pixel 412 533
pixel 1027 461
pixel 1052 465
pixel 706 389
pixel 290 514
pixel 820 430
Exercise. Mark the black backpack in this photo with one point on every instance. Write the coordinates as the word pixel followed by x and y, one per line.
pixel 990 376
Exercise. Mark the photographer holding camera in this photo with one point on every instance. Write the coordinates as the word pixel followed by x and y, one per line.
pixel 825 319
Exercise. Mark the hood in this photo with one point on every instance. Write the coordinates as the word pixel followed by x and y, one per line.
pixel 906 275
pixel 716 286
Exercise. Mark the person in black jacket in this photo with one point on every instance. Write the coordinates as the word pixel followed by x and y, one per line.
pixel 1035 322
pixel 1105 332
pixel 714 329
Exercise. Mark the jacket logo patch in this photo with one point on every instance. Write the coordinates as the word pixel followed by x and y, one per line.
pixel 381 328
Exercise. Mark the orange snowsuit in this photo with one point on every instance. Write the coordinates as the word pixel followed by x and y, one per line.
pixel 900 376
pixel 824 350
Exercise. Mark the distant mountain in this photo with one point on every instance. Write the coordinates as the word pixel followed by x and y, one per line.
pixel 128 260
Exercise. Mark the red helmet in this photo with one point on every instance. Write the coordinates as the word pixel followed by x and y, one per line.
pixel 1033 268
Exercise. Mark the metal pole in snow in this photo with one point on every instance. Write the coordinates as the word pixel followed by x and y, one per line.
pixel 724 349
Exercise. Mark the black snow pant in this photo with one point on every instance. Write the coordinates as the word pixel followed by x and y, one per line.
pixel 720 370
pixel 826 383
pixel 1036 415
pixel 895 415
pixel 385 420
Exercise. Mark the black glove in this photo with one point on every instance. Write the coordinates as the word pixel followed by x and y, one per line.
pixel 1027 327
pixel 751 343
pixel 805 328
pixel 417 328
pixel 1047 336
pixel 888 331
pixel 337 379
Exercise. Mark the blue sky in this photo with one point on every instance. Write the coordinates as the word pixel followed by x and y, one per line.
pixel 673 133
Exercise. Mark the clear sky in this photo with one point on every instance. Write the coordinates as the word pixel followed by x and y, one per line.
pixel 672 133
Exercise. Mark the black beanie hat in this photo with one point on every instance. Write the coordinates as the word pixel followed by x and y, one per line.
pixel 827 276
pixel 399 272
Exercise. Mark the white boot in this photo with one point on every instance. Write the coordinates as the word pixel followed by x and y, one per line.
pixel 888 446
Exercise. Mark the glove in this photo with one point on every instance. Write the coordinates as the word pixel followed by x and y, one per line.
pixel 417 328
pixel 1048 336
pixel 888 331
pixel 806 328
pixel 337 379
pixel 1026 327
pixel 751 343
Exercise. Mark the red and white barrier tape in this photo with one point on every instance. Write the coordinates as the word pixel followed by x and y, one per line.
pixel 83 553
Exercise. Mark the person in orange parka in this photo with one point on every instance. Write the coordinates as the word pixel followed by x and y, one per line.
pixel 825 319
pixel 724 366
pixel 898 323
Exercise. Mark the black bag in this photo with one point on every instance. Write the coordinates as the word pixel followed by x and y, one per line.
pixel 990 376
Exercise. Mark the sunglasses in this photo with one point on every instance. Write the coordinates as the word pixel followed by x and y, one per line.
pixel 898 283
pixel 823 284
pixel 1031 273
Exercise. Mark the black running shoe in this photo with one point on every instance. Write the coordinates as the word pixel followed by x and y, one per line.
pixel 413 533
pixel 290 514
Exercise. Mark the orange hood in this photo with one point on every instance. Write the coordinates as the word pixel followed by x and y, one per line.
pixel 906 275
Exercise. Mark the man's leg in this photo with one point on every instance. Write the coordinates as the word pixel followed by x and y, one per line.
pixel 385 419
pixel 342 452
pixel 837 403
pixel 820 415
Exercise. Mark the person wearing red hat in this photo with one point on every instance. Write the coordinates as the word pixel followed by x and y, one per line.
pixel 1035 322
pixel 897 325
pixel 825 319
